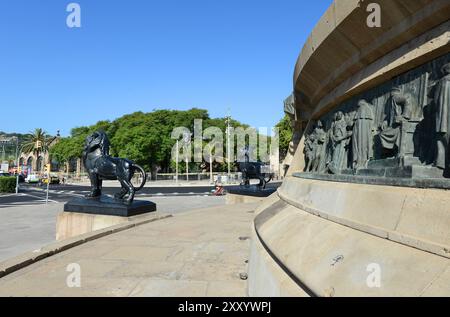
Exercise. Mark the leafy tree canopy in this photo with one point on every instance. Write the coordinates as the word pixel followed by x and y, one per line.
pixel 142 137
pixel 285 135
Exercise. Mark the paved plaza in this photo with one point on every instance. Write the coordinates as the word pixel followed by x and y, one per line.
pixel 197 253
pixel 29 225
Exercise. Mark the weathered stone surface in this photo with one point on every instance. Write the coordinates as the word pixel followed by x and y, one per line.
pixel 378 177
pixel 413 214
pixel 71 224
pixel 396 127
pixel 267 278
pixel 232 199
pixel 334 52
pixel 190 254
pixel 331 259
pixel 332 224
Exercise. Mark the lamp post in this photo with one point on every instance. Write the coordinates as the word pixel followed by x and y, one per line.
pixel 17 165
pixel 187 141
pixel 211 176
pixel 187 169
pixel 228 132
pixel 176 165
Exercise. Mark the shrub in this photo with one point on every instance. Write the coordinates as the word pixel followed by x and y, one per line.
pixel 7 184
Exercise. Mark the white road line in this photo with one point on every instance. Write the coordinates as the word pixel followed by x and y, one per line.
pixel 40 198
pixel 7 195
pixel 72 193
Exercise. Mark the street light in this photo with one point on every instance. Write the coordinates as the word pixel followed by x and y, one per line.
pixel 187 141
pixel 228 132
pixel 176 164
pixel 211 177
pixel 17 165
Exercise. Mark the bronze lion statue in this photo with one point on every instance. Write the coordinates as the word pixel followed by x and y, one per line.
pixel 253 170
pixel 101 166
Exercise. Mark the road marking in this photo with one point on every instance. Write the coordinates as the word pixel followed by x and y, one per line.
pixel 40 198
pixel 7 195
pixel 71 193
pixel 23 203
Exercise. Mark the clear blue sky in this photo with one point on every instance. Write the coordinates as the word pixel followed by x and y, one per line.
pixel 143 55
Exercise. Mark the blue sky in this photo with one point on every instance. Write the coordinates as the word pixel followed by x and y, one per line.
pixel 140 55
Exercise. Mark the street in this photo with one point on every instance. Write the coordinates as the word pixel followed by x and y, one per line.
pixel 34 194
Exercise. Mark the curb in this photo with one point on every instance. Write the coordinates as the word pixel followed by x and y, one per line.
pixel 19 262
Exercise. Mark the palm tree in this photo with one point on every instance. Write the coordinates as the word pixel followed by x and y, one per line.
pixel 37 142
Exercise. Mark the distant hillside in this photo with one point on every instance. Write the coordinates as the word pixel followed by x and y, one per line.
pixel 8 152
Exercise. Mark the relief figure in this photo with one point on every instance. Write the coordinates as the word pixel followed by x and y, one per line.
pixel 442 111
pixel 398 109
pixel 318 139
pixel 340 139
pixel 362 138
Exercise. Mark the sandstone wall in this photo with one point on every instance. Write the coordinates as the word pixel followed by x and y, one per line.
pixel 322 238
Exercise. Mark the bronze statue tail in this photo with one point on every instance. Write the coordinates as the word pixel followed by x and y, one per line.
pixel 144 176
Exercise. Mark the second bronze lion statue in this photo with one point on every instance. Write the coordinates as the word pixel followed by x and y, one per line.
pixel 101 166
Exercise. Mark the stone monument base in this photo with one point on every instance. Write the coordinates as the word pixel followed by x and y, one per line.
pixel 250 194
pixel 405 167
pixel 83 215
pixel 71 224
pixel 321 238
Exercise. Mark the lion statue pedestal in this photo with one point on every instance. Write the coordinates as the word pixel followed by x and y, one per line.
pixel 97 211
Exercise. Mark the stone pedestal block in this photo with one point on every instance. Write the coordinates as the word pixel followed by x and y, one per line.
pixel 71 224
pixel 251 194
pixel 83 215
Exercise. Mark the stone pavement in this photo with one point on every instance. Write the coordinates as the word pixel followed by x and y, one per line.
pixel 28 227
pixel 198 253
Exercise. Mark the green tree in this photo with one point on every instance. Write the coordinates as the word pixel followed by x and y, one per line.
pixel 67 149
pixel 36 142
pixel 285 135
pixel 142 137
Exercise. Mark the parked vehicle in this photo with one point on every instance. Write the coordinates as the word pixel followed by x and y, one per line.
pixel 32 179
pixel 54 179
